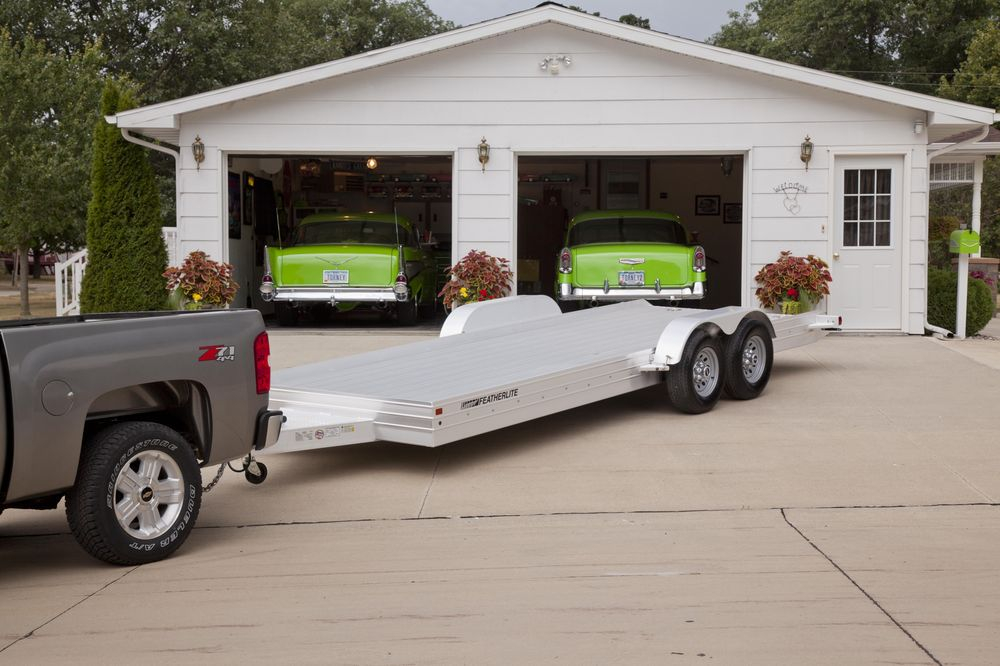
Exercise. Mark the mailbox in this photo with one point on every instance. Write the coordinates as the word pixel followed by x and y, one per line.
pixel 963 241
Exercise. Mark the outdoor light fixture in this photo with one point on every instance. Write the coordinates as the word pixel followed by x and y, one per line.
pixel 484 153
pixel 551 64
pixel 198 150
pixel 918 127
pixel 372 163
pixel 727 165
pixel 806 151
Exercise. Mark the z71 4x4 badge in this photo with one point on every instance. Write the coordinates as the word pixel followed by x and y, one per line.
pixel 220 353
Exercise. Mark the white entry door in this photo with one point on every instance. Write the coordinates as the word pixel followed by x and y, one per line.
pixel 866 256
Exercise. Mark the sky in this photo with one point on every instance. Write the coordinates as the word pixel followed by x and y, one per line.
pixel 698 19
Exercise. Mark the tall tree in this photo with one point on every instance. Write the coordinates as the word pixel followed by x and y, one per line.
pixel 125 248
pixel 907 43
pixel 47 108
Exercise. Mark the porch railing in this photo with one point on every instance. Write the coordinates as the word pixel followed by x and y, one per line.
pixel 69 275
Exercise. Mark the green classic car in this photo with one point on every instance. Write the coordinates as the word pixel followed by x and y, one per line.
pixel 615 255
pixel 337 261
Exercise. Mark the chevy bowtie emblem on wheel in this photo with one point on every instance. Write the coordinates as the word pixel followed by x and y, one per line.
pixel 631 262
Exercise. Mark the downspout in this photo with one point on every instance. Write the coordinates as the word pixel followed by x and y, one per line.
pixel 943 332
pixel 159 148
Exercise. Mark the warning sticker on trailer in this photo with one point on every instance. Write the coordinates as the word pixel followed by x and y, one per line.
pixel 322 433
pixel 493 397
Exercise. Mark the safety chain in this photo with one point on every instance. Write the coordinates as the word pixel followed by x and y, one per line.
pixel 218 476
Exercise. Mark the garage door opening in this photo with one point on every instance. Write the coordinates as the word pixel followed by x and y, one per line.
pixel 704 192
pixel 271 196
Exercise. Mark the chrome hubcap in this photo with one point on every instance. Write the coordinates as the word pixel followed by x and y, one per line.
pixel 705 372
pixel 148 495
pixel 754 359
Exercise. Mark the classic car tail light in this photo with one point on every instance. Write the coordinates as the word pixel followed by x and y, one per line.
pixel 261 366
pixel 267 287
pixel 699 259
pixel 565 261
pixel 401 288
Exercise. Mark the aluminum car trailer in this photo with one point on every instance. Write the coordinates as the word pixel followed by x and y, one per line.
pixel 502 362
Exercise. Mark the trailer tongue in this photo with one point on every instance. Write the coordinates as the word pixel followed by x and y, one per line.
pixel 503 362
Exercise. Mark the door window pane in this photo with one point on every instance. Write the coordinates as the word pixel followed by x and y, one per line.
pixel 850 234
pixel 867 181
pixel 850 208
pixel 867 208
pixel 882 234
pixel 884 180
pixel 866 234
pixel 850 181
pixel 882 207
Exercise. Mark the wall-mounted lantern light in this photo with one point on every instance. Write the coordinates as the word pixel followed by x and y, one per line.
pixel 806 151
pixel 726 163
pixel 372 163
pixel 484 153
pixel 918 127
pixel 198 150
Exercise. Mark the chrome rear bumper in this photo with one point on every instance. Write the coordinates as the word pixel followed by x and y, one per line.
pixel 333 295
pixel 568 293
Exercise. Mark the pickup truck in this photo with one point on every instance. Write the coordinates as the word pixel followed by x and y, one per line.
pixel 118 413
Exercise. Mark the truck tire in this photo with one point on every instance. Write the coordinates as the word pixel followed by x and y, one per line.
pixel 695 383
pixel 406 312
pixel 137 493
pixel 286 314
pixel 749 357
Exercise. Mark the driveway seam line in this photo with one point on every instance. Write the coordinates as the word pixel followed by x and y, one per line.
pixel 60 614
pixel 861 589
pixel 556 514
pixel 430 484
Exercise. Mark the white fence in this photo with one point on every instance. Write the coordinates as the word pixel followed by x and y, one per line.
pixel 69 275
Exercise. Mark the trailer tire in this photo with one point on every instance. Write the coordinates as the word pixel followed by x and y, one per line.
pixel 749 357
pixel 137 493
pixel 695 383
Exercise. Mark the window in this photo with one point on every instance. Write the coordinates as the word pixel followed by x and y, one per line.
pixel 867 207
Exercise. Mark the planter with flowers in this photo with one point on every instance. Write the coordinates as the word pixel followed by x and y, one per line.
pixel 200 283
pixel 478 276
pixel 792 285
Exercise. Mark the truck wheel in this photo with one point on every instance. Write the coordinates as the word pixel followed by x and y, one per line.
pixel 695 383
pixel 749 356
pixel 286 314
pixel 406 312
pixel 137 494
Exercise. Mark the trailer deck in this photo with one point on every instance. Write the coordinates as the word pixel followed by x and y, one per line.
pixel 498 363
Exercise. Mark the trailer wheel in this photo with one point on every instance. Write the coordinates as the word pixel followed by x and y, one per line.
pixel 749 357
pixel 286 314
pixel 137 494
pixel 695 383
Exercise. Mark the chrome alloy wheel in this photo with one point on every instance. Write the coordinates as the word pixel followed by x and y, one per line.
pixel 705 372
pixel 754 359
pixel 149 494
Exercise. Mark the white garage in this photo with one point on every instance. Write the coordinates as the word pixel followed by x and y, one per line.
pixel 574 113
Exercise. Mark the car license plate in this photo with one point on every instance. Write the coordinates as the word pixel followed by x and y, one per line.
pixel 336 277
pixel 631 278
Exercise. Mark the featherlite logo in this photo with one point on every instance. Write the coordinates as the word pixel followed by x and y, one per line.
pixel 487 399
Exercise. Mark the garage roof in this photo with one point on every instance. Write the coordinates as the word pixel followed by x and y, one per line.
pixel 161 121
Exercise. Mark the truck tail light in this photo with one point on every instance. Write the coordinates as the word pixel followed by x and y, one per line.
pixel 698 264
pixel 565 261
pixel 261 367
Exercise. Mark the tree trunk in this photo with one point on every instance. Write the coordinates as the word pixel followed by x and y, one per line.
pixel 22 261
pixel 36 267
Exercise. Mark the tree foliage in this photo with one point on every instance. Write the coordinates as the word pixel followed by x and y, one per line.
pixel 977 80
pixel 126 252
pixel 48 105
pixel 908 43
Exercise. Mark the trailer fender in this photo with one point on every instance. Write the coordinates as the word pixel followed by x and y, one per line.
pixel 670 345
pixel 485 315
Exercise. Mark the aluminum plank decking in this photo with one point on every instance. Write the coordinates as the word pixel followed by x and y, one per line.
pixel 436 371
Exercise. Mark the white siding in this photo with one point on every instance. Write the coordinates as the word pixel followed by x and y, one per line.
pixel 617 98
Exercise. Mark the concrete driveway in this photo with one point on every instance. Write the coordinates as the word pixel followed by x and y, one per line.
pixel 849 515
